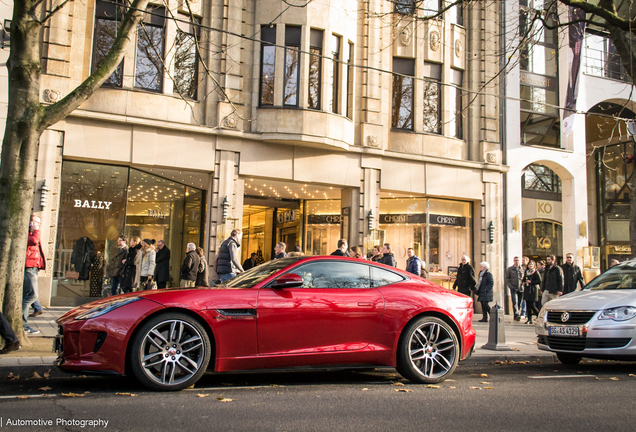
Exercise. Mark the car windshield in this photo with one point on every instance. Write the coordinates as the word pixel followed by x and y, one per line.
pixel 259 273
pixel 621 276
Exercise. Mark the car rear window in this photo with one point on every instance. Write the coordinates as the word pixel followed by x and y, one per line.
pixel 381 277
pixel 622 276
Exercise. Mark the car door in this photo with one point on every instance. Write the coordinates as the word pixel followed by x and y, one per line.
pixel 335 310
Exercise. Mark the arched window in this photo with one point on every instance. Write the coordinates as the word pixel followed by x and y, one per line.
pixel 539 181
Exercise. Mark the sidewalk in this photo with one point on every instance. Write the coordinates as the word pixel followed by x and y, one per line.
pixel 519 337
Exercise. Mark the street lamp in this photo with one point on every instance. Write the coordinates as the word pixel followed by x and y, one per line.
pixel 44 190
pixel 491 232
pixel 226 208
pixel 370 219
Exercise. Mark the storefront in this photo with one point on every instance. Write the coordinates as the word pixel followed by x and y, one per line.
pixel 98 203
pixel 439 231
pixel 542 238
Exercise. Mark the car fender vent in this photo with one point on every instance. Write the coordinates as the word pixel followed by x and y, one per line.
pixel 101 338
pixel 237 312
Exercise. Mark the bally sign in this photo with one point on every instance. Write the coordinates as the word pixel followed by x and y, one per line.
pixel 104 205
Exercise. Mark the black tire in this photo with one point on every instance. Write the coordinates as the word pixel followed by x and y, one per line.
pixel 438 345
pixel 569 359
pixel 171 351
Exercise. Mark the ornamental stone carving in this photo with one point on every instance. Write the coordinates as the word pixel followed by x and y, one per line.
pixel 372 141
pixel 405 35
pixel 458 48
pixel 491 157
pixel 52 96
pixel 230 121
pixel 434 40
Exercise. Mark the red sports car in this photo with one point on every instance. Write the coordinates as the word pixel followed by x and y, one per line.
pixel 301 311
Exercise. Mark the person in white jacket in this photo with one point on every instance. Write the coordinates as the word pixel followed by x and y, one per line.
pixel 147 263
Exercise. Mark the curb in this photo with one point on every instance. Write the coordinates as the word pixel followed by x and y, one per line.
pixel 512 358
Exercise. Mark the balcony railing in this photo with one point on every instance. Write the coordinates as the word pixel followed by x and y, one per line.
pixel 601 58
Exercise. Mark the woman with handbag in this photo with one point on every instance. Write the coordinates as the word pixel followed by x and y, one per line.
pixel 132 266
pixel 148 263
pixel 531 284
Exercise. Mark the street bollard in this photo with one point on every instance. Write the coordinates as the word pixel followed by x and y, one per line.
pixel 496 333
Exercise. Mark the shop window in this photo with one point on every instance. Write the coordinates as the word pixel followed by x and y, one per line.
pixel 404 7
pixel 322 222
pixel 292 66
pixel 381 277
pixel 315 68
pixel 186 59
pixel 334 275
pixel 108 17
pixel 539 181
pixel 268 64
pixel 334 78
pixel 456 106
pixel 402 109
pixel 149 64
pixel 542 238
pixel 348 109
pixel 432 103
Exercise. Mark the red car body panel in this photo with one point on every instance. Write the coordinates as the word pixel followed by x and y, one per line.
pixel 261 327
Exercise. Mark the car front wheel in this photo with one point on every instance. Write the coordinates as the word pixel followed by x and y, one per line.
pixel 428 351
pixel 171 351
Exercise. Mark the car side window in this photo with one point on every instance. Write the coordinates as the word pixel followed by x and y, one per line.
pixel 381 277
pixel 332 274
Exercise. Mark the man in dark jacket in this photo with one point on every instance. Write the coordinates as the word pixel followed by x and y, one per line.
pixel 227 262
pixel 466 280
pixel 279 250
pixel 116 267
pixel 388 257
pixel 343 249
pixel 572 276
pixel 162 268
pixel 513 277
pixel 35 261
pixel 250 262
pixel 132 266
pixel 190 267
pixel 413 263
pixel 552 282
pixel 484 289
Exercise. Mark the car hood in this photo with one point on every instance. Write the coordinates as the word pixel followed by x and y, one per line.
pixel 593 300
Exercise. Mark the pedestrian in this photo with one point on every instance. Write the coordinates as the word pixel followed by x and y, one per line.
pixel 116 266
pixel 377 253
pixel 413 263
pixel 35 262
pixel 132 266
pixel 343 249
pixel 356 252
pixel 227 260
pixel 250 262
pixel 531 286
pixel 388 257
pixel 162 267
pixel 484 289
pixel 572 275
pixel 148 263
pixel 202 275
pixel 190 267
pixel 614 262
pixel 465 282
pixel 279 250
pixel 524 263
pixel 11 341
pixel 513 277
pixel 37 309
pixel 552 283
pixel 298 251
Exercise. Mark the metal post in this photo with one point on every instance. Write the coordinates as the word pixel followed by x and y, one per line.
pixel 496 333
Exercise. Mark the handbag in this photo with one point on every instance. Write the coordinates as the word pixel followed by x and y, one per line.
pixel 71 274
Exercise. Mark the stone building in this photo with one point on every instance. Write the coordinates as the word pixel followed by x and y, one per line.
pixel 342 119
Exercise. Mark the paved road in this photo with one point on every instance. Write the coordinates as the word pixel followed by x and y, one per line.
pixel 524 397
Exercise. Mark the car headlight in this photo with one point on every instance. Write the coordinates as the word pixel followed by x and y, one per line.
pixel 542 313
pixel 106 307
pixel 622 313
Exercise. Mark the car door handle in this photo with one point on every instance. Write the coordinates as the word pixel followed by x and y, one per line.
pixel 365 304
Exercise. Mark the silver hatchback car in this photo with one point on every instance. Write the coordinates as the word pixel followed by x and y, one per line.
pixel 596 322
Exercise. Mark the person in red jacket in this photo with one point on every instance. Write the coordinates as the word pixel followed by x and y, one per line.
pixel 35 262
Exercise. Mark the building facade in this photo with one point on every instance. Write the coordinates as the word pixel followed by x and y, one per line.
pixel 350 119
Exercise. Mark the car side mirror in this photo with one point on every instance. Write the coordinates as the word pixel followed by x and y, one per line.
pixel 289 280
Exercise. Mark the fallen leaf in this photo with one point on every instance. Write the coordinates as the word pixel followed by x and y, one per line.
pixel 515 349
pixel 433 386
pixel 202 395
pixel 23 397
pixel 72 394
pixel 365 389
pixel 273 385
pixel 47 388
pixel 579 372
pixel 403 390
pixel 397 383
pixel 484 382
pixel 489 388
pixel 222 399
pixel 631 375
pixel 484 375
pixel 36 375
pixel 614 379
pixel 126 394
pixel 598 379
pixel 475 388
pixel 452 387
pixel 192 386
pixel 47 373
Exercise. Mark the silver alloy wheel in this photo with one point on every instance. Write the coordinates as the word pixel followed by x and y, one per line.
pixel 432 350
pixel 172 352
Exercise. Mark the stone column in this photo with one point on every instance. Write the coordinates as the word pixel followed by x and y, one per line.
pixel 351 224
pixel 370 198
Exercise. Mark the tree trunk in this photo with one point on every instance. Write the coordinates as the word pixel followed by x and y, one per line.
pixel 632 217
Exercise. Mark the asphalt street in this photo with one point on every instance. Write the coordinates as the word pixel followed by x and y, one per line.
pixel 595 395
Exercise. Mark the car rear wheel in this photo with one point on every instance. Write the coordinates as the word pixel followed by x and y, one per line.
pixel 569 359
pixel 171 351
pixel 428 351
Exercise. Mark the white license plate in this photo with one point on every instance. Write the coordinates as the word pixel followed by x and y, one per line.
pixel 563 331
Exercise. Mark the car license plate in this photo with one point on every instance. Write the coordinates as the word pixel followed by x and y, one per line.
pixel 563 331
pixel 58 344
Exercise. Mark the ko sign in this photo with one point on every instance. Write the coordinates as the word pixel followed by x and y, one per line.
pixel 545 209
